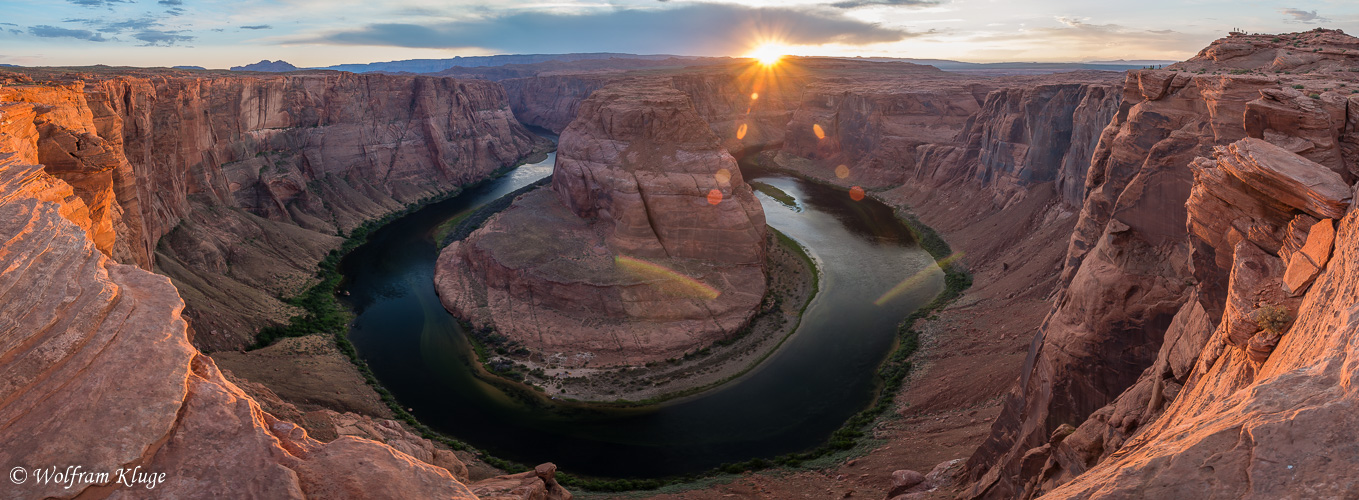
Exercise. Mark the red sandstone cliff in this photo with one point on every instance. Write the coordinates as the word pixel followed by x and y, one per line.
pixel 1132 333
pixel 648 245
pixel 236 186
pixel 99 371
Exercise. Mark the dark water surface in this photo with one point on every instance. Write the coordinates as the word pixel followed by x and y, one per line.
pixel 792 402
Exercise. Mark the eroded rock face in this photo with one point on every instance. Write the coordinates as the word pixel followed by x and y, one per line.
pixel 1250 430
pixel 1023 136
pixel 1136 276
pixel 648 245
pixel 236 186
pixel 83 336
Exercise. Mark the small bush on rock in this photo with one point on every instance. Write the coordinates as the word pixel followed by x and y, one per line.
pixel 1273 318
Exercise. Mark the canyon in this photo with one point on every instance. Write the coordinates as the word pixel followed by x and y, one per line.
pixel 1164 297
pixel 233 188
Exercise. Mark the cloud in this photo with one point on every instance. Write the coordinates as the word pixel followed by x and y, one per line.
pixel 46 31
pixel 161 38
pixel 1081 39
pixel 97 3
pixel 851 4
pixel 171 2
pixel 1302 16
pixel 147 29
pixel 125 25
pixel 697 29
pixel 257 27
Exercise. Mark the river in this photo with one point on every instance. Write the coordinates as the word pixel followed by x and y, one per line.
pixel 821 376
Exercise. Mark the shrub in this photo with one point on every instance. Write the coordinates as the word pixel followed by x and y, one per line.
pixel 1273 318
pixel 1298 86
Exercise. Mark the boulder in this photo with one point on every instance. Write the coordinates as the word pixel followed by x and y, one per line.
pixel 1305 264
pixel 903 480
pixel 1288 178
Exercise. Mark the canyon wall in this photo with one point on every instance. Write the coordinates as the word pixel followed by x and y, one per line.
pixel 751 106
pixel 236 186
pixel 1157 314
pixel 83 334
pixel 889 124
pixel 648 245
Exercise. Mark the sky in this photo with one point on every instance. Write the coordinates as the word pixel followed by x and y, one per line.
pixel 314 33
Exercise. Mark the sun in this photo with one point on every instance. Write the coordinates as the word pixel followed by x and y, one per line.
pixel 768 54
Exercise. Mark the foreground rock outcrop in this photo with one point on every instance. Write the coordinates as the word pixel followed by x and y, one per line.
pixel 1147 375
pixel 83 336
pixel 648 245
pixel 236 186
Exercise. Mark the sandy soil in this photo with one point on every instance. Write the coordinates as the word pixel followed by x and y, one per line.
pixel 309 372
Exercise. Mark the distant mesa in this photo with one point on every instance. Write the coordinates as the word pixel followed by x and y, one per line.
pixel 268 66
pixel 202 68
pixel 437 65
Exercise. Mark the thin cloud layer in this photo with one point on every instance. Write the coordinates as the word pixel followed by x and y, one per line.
pixel 97 3
pixel 47 31
pixel 853 4
pixel 1302 16
pixel 149 30
pixel 690 29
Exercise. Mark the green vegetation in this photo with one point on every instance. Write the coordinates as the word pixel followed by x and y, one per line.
pixel 442 231
pixel 1298 86
pixel 777 194
pixel 472 221
pixel 323 314
pixel 1273 318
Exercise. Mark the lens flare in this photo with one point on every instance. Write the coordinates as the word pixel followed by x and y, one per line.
pixel 915 280
pixel 668 280
pixel 754 95
pixel 820 132
pixel 714 197
pixel 856 193
pixel 723 176
pixel 741 132
pixel 769 53
pixel 842 171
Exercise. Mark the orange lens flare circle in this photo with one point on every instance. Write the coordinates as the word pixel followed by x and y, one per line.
pixel 722 176
pixel 856 193
pixel 842 171
pixel 820 132
pixel 741 132
pixel 714 197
